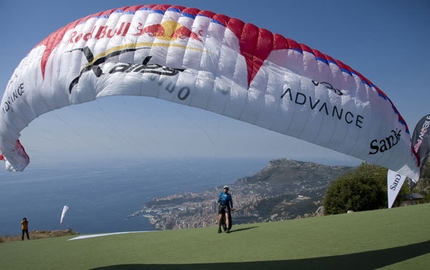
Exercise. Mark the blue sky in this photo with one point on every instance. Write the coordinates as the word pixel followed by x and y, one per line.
pixel 386 41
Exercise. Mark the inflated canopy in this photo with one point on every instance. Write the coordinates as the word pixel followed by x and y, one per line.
pixel 212 62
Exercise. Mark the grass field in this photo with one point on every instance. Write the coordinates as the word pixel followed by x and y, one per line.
pixel 397 238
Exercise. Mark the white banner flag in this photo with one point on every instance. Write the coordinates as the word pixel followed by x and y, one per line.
pixel 394 184
pixel 65 208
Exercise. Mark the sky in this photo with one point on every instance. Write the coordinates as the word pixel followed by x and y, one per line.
pixel 386 41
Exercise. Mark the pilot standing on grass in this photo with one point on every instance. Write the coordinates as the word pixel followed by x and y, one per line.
pixel 225 206
pixel 24 228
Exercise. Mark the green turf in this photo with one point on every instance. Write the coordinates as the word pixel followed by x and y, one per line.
pixel 396 238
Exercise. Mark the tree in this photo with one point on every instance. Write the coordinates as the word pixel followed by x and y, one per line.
pixel 423 185
pixel 364 189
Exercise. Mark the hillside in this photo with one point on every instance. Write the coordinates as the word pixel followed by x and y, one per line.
pixel 381 239
pixel 284 171
pixel 285 189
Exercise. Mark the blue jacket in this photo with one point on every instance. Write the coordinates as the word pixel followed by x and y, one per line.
pixel 225 199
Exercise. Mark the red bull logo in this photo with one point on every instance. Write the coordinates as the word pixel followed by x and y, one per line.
pixel 168 30
pixel 100 32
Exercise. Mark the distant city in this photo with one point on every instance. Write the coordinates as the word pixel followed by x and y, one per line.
pixel 273 194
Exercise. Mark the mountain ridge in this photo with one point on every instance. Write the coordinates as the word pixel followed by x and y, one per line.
pixel 282 170
pixel 284 189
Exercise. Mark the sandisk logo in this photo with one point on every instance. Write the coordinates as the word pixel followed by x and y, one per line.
pixel 385 144
pixel 397 179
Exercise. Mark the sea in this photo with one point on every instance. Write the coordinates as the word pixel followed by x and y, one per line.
pixel 101 196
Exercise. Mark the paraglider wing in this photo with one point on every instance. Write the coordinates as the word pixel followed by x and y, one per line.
pixel 63 213
pixel 212 62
